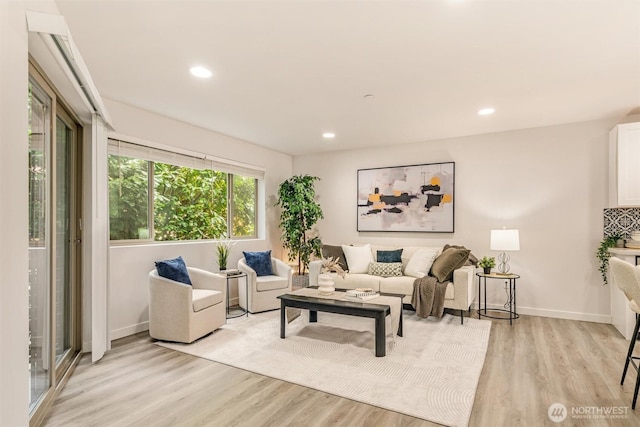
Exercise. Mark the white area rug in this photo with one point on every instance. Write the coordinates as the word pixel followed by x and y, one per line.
pixel 431 373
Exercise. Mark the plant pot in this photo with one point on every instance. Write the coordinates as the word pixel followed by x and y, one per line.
pixel 300 281
pixel 487 270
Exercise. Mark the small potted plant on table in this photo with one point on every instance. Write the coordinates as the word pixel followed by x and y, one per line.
pixel 224 247
pixel 487 263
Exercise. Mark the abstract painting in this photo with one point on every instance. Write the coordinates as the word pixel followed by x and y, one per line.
pixel 407 198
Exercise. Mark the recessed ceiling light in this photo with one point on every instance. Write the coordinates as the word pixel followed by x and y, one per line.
pixel 201 72
pixel 486 111
pixel 328 135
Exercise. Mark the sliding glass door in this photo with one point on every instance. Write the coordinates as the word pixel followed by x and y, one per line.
pixel 39 242
pixel 66 242
pixel 53 242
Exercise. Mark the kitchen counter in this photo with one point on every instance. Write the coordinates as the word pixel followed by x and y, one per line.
pixel 625 251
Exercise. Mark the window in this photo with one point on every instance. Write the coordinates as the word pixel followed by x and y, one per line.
pixel 129 213
pixel 163 196
pixel 189 204
pixel 244 190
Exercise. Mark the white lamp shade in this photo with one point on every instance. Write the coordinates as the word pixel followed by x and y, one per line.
pixel 505 240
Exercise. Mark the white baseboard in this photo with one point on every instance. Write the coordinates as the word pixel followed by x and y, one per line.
pixel 557 314
pixel 234 301
pixel 129 330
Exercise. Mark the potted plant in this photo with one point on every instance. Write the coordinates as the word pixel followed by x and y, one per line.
pixel 223 249
pixel 487 263
pixel 300 212
pixel 603 255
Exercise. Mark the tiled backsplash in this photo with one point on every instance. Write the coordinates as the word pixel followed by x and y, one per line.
pixel 621 220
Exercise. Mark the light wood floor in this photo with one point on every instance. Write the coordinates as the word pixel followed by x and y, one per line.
pixel 536 362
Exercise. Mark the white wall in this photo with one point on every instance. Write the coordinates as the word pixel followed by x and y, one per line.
pixel 14 299
pixel 550 183
pixel 129 265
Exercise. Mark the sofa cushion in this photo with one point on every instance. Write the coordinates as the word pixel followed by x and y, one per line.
pixel 409 251
pixel 448 261
pixel 335 252
pixel 269 283
pixel 358 258
pixel 174 269
pixel 420 263
pixel 204 298
pixel 473 260
pixel 389 256
pixel 385 269
pixel 355 280
pixel 260 262
pixel 404 285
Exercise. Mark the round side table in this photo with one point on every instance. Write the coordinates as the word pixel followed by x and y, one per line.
pixel 510 306
pixel 243 311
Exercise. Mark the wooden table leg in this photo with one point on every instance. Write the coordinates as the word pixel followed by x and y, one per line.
pixel 381 335
pixel 283 315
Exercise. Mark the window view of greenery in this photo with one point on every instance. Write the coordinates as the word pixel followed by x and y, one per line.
pixel 128 198
pixel 188 204
pixel 244 206
pixel 37 172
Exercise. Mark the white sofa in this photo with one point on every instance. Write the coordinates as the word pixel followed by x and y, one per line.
pixel 460 293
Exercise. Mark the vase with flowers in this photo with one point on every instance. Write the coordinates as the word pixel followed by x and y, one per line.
pixel 328 272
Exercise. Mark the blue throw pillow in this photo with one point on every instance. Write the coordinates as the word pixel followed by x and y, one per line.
pixel 389 256
pixel 174 269
pixel 260 262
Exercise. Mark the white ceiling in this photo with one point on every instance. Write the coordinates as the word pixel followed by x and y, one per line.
pixel 287 71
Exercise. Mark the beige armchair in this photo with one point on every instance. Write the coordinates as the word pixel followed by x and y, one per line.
pixel 183 313
pixel 264 290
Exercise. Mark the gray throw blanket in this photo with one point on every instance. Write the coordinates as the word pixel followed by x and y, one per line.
pixel 428 296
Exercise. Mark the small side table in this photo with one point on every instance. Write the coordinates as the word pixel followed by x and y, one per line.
pixel 244 311
pixel 510 307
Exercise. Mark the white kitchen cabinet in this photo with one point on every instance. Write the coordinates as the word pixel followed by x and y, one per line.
pixel 624 165
pixel 622 317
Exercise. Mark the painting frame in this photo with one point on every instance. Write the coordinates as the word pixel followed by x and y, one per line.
pixel 411 198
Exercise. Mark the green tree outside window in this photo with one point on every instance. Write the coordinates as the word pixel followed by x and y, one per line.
pixel 187 203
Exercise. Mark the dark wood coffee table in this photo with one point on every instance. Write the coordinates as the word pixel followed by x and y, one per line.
pixel 351 308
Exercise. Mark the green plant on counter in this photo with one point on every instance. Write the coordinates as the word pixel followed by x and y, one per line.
pixel 603 254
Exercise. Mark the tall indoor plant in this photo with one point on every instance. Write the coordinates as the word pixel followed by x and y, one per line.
pixel 300 211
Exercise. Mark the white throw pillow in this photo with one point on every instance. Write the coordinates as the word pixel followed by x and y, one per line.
pixel 420 263
pixel 358 258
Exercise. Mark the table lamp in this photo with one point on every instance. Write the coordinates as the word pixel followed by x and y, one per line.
pixel 504 240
